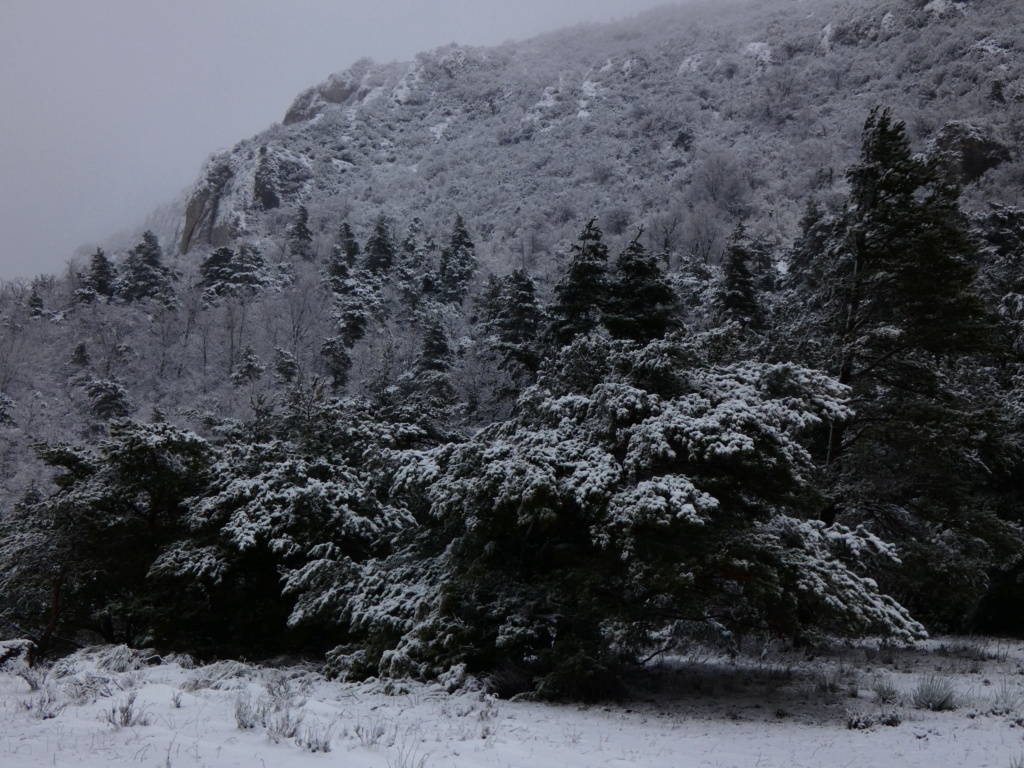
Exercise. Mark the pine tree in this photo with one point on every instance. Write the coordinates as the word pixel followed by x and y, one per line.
pixel 738 296
pixel 600 517
pixel 79 558
pixel 888 296
pixel 379 253
pixel 101 277
pixel 248 369
pixel 300 238
pixel 512 322
pixel 142 274
pixel 227 272
pixel 582 295
pixel 457 266
pixel 642 306
pixel 348 244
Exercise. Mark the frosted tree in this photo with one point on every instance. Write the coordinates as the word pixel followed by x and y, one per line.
pixel 79 558
pixel 457 265
pixel 142 274
pixel 581 296
pixel 884 292
pixel 636 491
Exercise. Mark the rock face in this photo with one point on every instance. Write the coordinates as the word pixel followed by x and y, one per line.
pixel 201 224
pixel 232 183
pixel 967 151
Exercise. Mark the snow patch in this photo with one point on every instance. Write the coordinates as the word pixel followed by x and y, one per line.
pixel 759 52
pixel 691 63
pixel 438 130
pixel 942 7
pixel 407 85
pixel 990 47
pixel 826 38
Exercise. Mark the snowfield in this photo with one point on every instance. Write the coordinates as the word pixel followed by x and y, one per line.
pixel 109 707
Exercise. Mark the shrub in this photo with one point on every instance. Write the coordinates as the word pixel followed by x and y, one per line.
pixel 935 693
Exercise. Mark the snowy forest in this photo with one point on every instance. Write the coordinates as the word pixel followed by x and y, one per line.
pixel 535 363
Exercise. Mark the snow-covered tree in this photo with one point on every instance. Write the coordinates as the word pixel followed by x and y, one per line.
pixel 142 274
pixel 79 558
pixel 636 489
pixel 582 295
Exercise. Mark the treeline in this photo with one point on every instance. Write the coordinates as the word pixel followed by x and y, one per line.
pixel 543 486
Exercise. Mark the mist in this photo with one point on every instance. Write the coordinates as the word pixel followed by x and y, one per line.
pixel 110 107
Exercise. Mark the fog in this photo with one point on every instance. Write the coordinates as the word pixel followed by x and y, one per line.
pixel 110 107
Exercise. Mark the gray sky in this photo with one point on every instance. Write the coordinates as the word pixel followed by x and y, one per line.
pixel 109 107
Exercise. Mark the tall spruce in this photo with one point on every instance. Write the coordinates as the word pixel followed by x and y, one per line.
pixel 143 275
pixel 582 295
pixel 888 295
pixel 643 306
pixel 457 265
pixel 379 253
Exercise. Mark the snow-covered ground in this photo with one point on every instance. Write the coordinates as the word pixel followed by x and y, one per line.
pixel 105 708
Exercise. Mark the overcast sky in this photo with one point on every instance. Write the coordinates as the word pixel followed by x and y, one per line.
pixel 109 107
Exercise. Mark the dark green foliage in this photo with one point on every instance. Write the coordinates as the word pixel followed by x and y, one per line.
pixel 143 275
pixel 888 299
pixel 227 272
pixel 601 515
pixel 739 298
pixel 337 362
pixel 642 306
pixel 101 278
pixel 300 238
pixel 79 558
pixel 582 295
pixel 248 369
pixel 379 253
pixel 457 265
pixel 107 399
pixel 348 244
pixel 511 323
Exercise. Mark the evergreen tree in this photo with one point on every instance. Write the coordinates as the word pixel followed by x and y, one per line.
pixel 582 295
pixel 457 266
pixel 142 274
pixel 603 517
pixel 226 272
pixel 101 278
pixel 888 294
pixel 337 361
pixel 299 237
pixel 79 559
pixel 642 306
pixel 511 323
pixel 379 253
pixel 348 244
pixel 738 296
pixel 248 369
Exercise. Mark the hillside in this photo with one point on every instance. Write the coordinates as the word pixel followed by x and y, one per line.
pixel 534 360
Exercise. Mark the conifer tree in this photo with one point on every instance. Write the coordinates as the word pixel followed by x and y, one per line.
pixel 642 306
pixel 738 296
pixel 101 277
pixel 143 275
pixel 457 266
pixel 348 244
pixel 227 272
pixel 888 296
pixel 300 238
pixel 511 323
pixel 582 295
pixel 379 253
